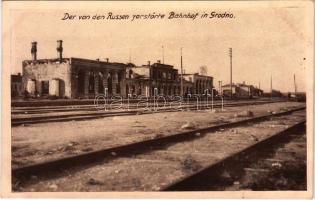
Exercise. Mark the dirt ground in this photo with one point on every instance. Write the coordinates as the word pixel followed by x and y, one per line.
pixel 156 169
pixel 280 168
pixel 39 142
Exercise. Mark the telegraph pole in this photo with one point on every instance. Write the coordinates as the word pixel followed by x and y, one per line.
pixel 230 54
pixel 162 54
pixel 181 71
pixel 271 87
pixel 295 90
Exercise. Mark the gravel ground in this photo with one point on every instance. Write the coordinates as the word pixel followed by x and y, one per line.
pixel 39 142
pixel 154 170
pixel 280 168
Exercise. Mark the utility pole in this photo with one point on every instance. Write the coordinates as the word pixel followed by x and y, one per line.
pixel 129 55
pixel 162 54
pixel 259 94
pixel 181 71
pixel 271 87
pixel 295 90
pixel 230 54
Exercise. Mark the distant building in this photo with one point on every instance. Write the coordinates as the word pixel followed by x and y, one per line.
pixel 241 90
pixel 201 83
pixel 16 85
pixel 275 93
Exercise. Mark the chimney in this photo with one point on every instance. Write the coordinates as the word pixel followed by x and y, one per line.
pixel 34 51
pixel 244 83
pixel 159 61
pixel 149 63
pixel 59 49
pixel 107 60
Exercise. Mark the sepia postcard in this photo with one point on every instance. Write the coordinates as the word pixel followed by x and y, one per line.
pixel 157 99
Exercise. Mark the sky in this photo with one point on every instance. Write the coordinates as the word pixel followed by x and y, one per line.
pixel 266 40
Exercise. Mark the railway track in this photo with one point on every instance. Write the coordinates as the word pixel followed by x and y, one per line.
pixel 16 121
pixel 229 173
pixel 71 108
pixel 146 150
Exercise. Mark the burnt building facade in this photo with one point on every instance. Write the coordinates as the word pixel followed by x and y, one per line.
pixel 85 78
pixel 137 80
pixel 155 79
pixel 165 78
pixel 72 77
pixel 199 83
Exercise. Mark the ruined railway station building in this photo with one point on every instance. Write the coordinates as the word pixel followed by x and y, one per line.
pixel 155 79
pixel 85 78
pixel 200 83
pixel 72 77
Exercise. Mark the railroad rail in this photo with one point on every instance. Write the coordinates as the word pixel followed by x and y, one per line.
pixel 81 102
pixel 16 121
pixel 70 108
pixel 59 165
pixel 210 177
